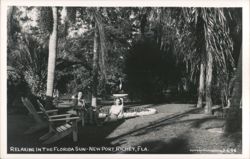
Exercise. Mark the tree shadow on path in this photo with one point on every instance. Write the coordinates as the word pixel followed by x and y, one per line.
pixel 152 126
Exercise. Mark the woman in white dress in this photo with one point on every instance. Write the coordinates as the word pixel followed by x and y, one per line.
pixel 116 111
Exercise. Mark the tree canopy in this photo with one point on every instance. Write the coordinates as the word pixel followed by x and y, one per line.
pixel 155 50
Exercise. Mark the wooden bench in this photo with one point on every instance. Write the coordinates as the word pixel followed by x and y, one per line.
pixel 40 122
pixel 60 126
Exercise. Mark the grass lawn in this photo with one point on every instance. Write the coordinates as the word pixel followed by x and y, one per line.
pixel 175 129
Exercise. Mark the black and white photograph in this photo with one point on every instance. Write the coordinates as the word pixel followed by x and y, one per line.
pixel 124 80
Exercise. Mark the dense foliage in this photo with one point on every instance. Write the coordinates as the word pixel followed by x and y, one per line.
pixel 154 50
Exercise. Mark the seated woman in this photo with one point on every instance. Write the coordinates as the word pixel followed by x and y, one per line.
pixel 81 102
pixel 116 111
pixel 78 104
pixel 78 100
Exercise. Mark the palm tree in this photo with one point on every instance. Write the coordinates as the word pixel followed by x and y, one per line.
pixel 26 51
pixel 99 52
pixel 99 46
pixel 95 69
pixel 201 86
pixel 234 118
pixel 52 54
pixel 202 41
pixel 213 47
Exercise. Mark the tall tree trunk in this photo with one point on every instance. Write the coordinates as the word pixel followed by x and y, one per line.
pixel 143 21
pixel 52 55
pixel 9 20
pixel 10 12
pixel 209 74
pixel 66 22
pixel 201 47
pixel 234 118
pixel 95 70
pixel 201 86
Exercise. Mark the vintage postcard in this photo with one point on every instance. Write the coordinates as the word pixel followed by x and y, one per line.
pixel 118 79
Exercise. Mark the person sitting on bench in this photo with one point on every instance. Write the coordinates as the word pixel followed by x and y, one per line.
pixel 79 107
pixel 78 100
pixel 116 111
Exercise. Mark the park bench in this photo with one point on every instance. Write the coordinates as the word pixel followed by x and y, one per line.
pixel 40 122
pixel 60 126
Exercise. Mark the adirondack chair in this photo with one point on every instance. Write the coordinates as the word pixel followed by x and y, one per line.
pixel 40 122
pixel 67 125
